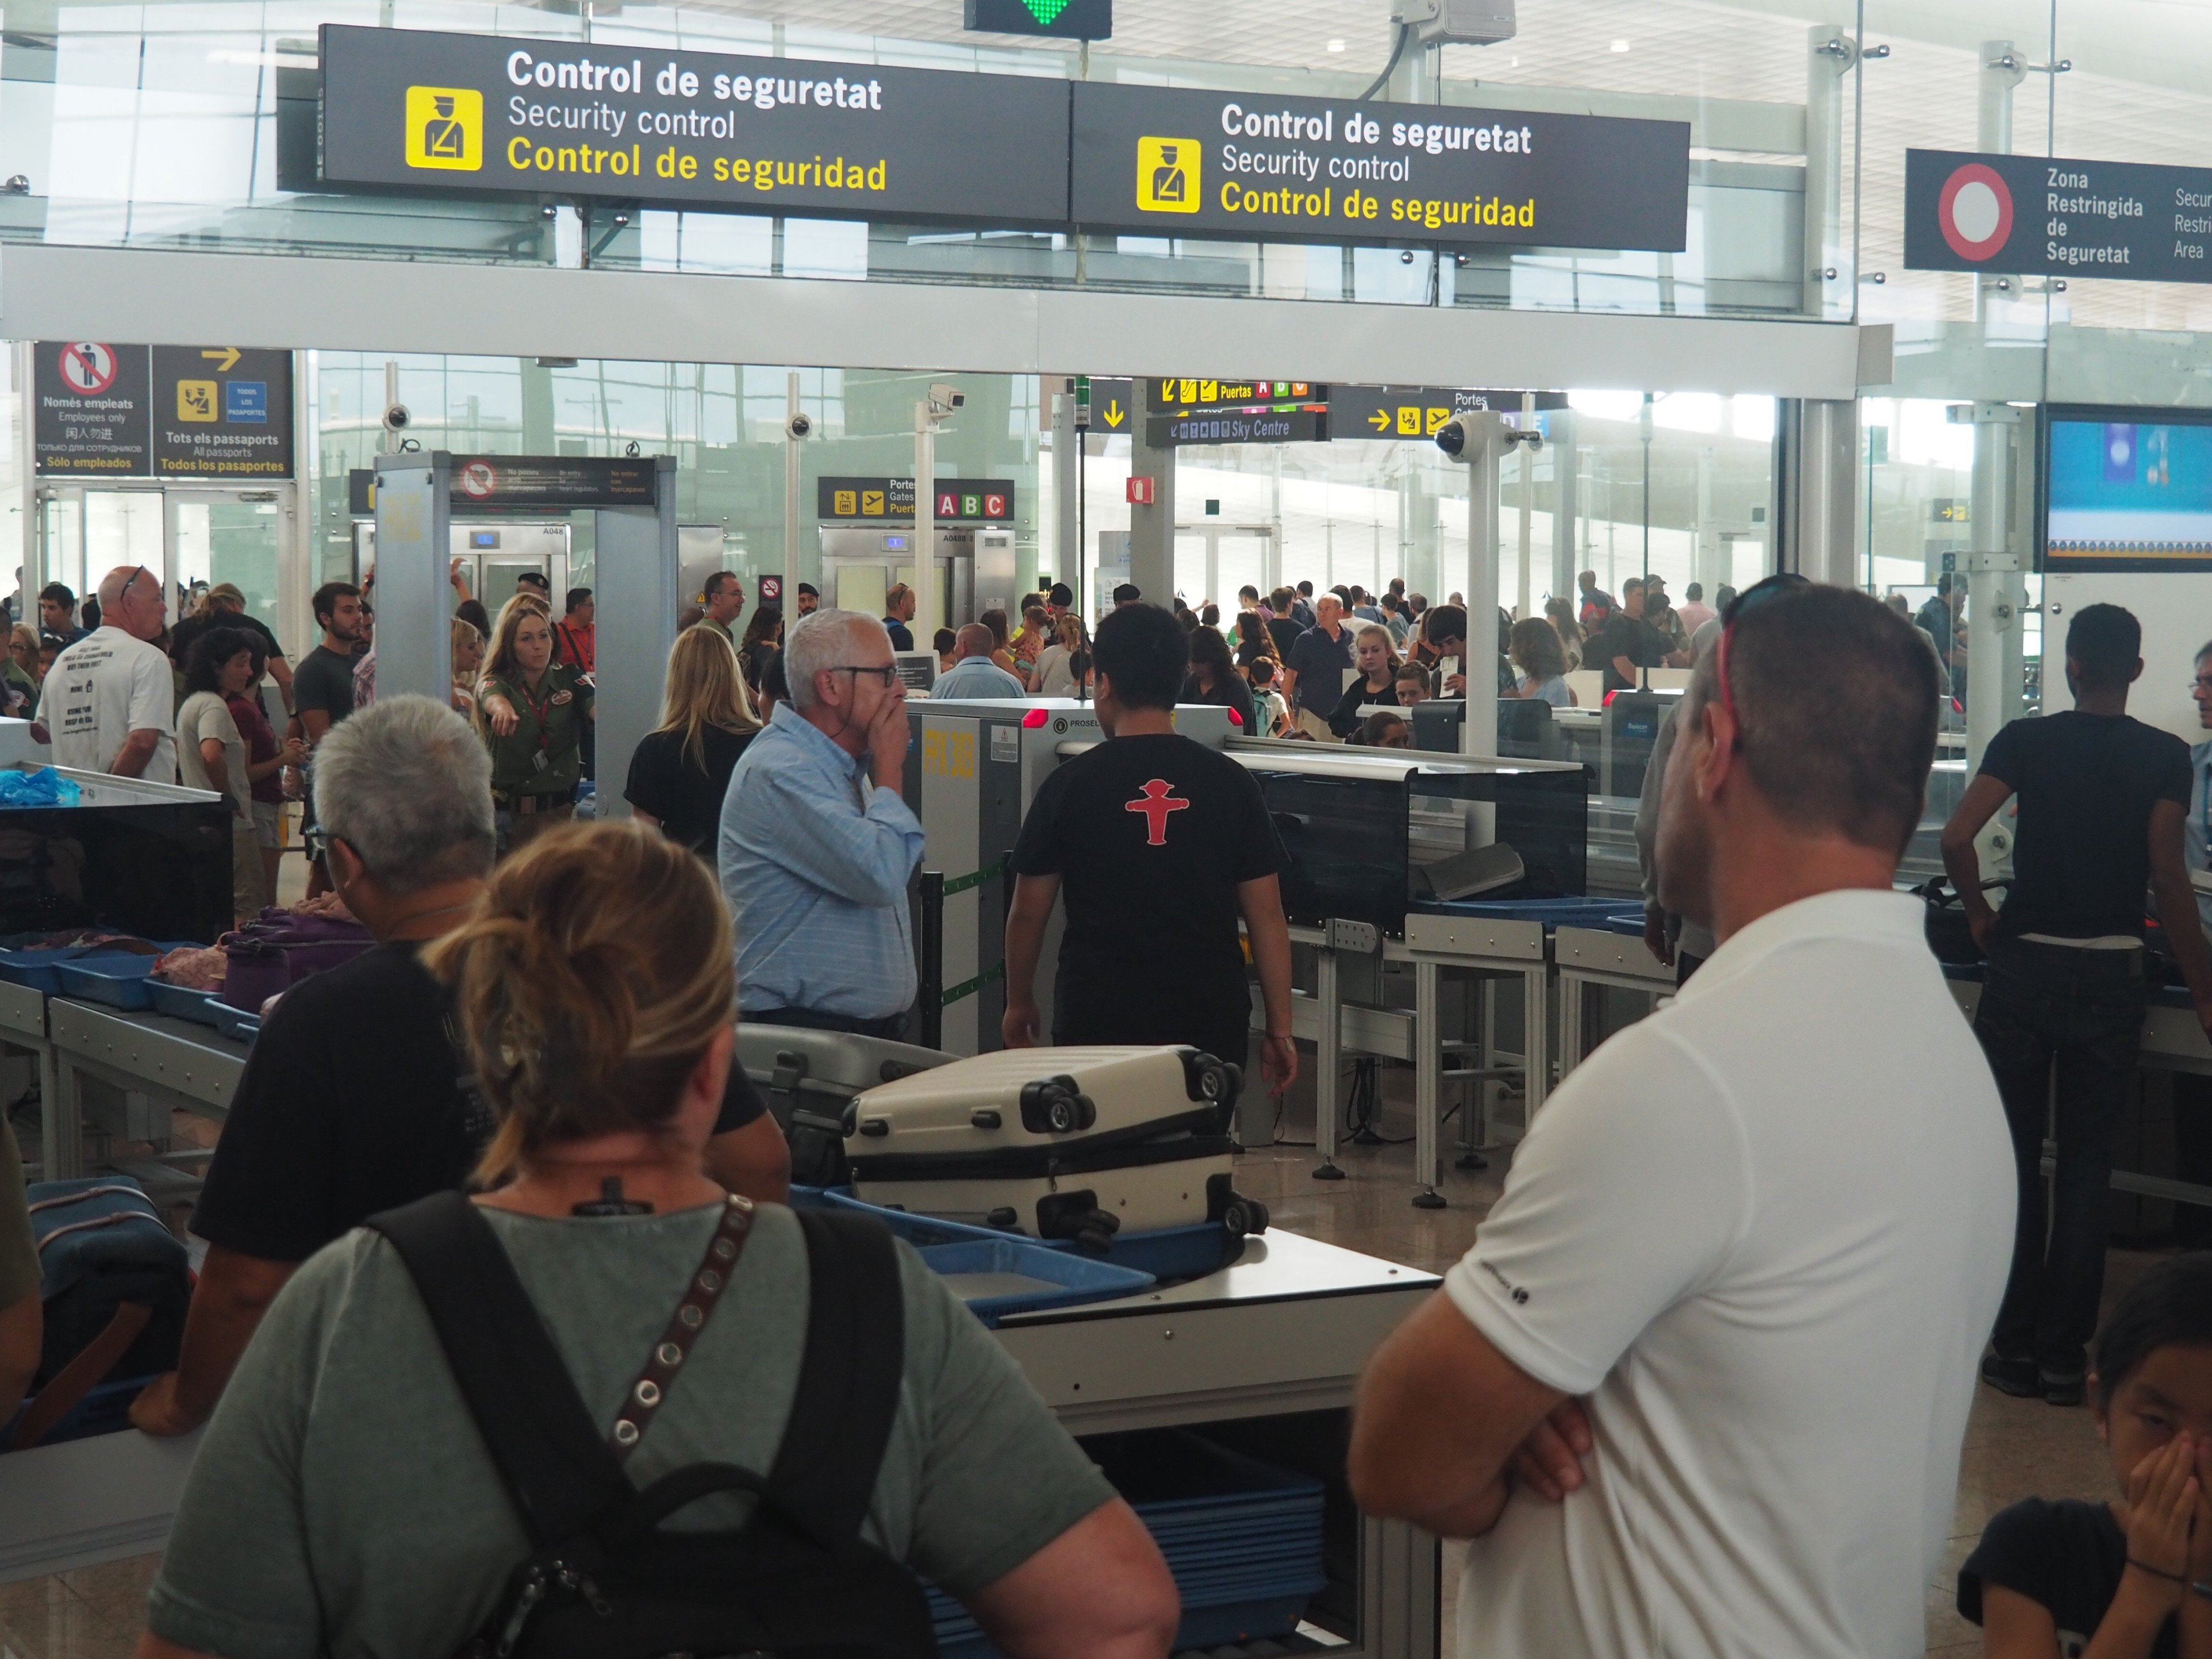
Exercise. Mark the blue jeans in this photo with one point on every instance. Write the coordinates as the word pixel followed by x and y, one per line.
pixel 2081 1012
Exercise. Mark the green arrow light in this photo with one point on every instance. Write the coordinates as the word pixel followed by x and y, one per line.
pixel 1045 10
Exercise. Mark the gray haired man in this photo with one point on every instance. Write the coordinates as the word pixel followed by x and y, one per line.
pixel 352 1101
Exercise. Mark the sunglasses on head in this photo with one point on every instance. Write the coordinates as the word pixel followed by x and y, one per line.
pixel 1751 599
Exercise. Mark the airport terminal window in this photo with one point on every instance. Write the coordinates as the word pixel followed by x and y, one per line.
pixel 158 126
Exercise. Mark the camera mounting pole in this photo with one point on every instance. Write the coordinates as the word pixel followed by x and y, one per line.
pixel 1481 438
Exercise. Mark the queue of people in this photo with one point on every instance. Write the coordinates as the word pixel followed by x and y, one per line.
pixel 1699 1386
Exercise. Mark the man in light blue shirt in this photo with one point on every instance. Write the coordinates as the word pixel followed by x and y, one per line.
pixel 972 676
pixel 817 847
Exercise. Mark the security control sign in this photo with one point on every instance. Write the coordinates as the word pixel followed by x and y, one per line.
pixel 2033 215
pixel 222 413
pixel 977 501
pixel 1163 162
pixel 91 420
pixel 699 130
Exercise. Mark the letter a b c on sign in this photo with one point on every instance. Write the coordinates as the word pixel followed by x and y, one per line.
pixel 1975 212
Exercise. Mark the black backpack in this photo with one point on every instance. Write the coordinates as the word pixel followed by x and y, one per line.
pixel 603 1580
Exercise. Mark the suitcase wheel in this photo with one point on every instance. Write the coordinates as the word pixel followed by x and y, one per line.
pixel 1243 1216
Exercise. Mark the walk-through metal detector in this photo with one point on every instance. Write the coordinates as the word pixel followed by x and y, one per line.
pixel 635 582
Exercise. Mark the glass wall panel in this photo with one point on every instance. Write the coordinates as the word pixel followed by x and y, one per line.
pixel 190 125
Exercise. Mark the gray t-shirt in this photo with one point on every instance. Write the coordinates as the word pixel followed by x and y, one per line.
pixel 205 715
pixel 342 1502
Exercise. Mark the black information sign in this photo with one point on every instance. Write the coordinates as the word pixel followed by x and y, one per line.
pixel 562 481
pixel 1295 426
pixel 92 417
pixel 1071 19
pixel 1417 411
pixel 2031 215
pixel 490 483
pixel 222 413
pixel 1167 162
pixel 976 500
pixel 701 129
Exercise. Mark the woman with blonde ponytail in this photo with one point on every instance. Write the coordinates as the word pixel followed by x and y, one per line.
pixel 342 1500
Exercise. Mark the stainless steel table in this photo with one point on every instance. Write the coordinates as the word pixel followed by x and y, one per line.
pixel 1489 948
pixel 174 1061
pixel 23 1026
pixel 1280 1335
pixel 1588 958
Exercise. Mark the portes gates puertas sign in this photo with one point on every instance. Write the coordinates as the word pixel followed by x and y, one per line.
pixel 2034 215
pixel 699 130
pixel 1169 162
pixel 980 501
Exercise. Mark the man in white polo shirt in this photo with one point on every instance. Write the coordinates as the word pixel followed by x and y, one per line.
pixel 1700 1385
pixel 109 702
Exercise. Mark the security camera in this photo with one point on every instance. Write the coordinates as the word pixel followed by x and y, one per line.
pixel 943 399
pixel 799 425
pixel 395 418
pixel 1462 432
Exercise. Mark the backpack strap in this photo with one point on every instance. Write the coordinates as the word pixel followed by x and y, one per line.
pixel 849 1380
pixel 559 1470
pixel 82 1373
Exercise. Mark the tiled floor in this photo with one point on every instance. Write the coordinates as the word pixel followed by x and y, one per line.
pixel 2013 1450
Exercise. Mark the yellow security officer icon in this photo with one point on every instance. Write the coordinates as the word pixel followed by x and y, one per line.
pixel 444 128
pixel 1168 174
pixel 196 400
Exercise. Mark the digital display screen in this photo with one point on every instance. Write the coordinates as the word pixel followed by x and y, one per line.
pixel 483 538
pixel 2127 489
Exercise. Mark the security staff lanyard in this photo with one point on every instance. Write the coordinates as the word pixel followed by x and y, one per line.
pixel 538 712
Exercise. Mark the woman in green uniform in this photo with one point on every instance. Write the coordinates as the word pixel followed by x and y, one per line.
pixel 531 711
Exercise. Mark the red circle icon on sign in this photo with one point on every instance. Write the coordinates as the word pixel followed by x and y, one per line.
pixel 88 368
pixel 478 479
pixel 1975 211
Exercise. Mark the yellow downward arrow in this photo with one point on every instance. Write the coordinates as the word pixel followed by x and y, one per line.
pixel 225 358
pixel 1114 416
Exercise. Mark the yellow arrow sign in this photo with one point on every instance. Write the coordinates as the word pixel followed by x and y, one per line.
pixel 225 358
pixel 1380 420
pixel 1114 414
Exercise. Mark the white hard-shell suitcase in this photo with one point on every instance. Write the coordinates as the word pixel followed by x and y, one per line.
pixel 808 1077
pixel 1056 1143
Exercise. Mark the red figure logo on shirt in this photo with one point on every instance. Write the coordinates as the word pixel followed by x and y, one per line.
pixel 1154 804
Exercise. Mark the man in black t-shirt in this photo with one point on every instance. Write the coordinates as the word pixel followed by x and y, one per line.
pixel 1158 844
pixel 352 1101
pixel 1626 643
pixel 2101 800
pixel 226 609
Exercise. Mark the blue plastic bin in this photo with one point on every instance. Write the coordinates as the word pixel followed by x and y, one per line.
pixel 181 1001
pixel 40 970
pixel 117 982
pixel 1170 1253
pixel 1243 1537
pixel 1553 913
pixel 996 1277
pixel 235 1022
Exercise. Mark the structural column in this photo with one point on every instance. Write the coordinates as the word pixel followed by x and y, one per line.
pixel 1152 528
pixel 1819 457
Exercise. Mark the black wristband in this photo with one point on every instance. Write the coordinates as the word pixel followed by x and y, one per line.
pixel 2203 1588
pixel 2157 1572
